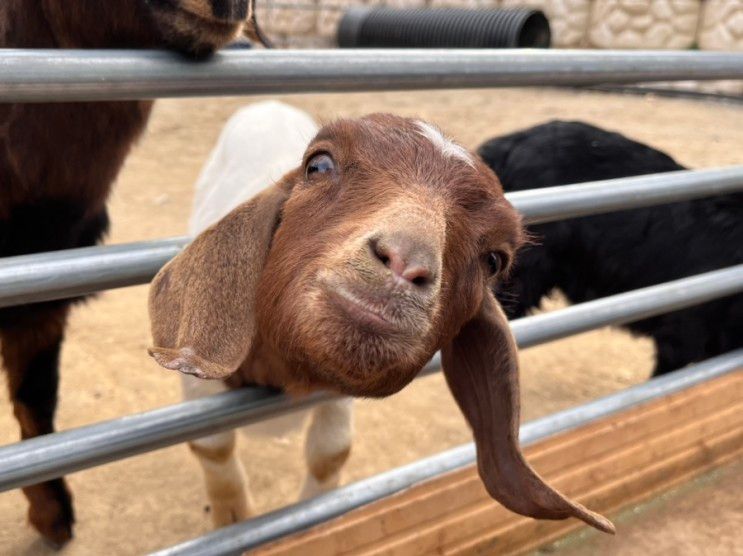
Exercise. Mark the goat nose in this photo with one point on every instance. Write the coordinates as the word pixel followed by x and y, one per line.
pixel 410 259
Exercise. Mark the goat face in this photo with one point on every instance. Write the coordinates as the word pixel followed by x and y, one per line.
pixel 199 27
pixel 383 252
pixel 350 273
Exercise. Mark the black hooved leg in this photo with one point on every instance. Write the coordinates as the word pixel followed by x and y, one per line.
pixel 31 355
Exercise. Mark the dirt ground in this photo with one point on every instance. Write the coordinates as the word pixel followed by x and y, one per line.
pixel 156 500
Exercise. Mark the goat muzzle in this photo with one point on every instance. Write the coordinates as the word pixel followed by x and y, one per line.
pixel 410 261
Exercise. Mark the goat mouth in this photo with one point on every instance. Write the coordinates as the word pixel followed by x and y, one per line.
pixel 363 312
pixel 192 34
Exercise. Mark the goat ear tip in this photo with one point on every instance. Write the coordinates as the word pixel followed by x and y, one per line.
pixel 607 526
pixel 186 361
pixel 599 522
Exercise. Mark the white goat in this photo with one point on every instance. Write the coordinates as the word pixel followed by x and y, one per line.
pixel 278 135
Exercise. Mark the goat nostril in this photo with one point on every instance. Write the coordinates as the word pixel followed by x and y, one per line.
pixel 420 280
pixel 417 275
pixel 379 252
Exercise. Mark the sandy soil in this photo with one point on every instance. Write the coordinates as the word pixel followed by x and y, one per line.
pixel 155 500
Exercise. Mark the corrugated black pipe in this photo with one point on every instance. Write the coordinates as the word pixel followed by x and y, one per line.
pixel 443 28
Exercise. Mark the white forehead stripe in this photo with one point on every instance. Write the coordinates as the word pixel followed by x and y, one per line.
pixel 445 145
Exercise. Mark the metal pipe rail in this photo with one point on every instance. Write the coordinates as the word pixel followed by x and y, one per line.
pixel 255 532
pixel 583 199
pixel 61 274
pixel 73 272
pixel 54 455
pixel 93 75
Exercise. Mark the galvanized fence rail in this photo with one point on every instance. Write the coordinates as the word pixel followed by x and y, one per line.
pixel 67 75
pixel 59 75
pixel 236 539
pixel 50 456
pixel 61 274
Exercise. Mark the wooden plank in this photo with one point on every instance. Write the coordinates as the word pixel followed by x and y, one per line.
pixel 614 468
pixel 365 527
pixel 379 527
pixel 463 488
pixel 631 426
pixel 442 512
pixel 644 483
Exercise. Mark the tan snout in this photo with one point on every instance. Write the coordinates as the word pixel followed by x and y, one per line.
pixel 386 277
pixel 379 292
pixel 402 251
pixel 412 262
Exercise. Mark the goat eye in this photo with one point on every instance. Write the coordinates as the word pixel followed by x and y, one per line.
pixel 495 262
pixel 320 164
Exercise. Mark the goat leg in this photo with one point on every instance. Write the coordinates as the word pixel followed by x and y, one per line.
pixel 30 352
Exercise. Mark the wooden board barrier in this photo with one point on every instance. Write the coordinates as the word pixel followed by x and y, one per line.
pixel 609 464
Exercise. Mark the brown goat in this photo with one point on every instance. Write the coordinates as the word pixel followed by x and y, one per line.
pixel 350 273
pixel 57 165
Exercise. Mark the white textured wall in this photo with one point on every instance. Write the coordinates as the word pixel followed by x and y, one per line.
pixel 401 3
pixel 641 24
pixel 301 21
pixel 721 26
pixel 473 4
pixel 330 16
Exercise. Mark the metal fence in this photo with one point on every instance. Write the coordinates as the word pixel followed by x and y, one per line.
pixel 54 75
pixel 266 528
pixel 47 276
pixel 63 75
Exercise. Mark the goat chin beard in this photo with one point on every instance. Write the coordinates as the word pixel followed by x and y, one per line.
pixel 348 358
pixel 373 381
pixel 361 365
pixel 193 34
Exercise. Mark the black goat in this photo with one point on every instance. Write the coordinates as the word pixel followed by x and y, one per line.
pixel 596 256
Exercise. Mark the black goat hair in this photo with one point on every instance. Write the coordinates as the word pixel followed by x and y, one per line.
pixel 597 256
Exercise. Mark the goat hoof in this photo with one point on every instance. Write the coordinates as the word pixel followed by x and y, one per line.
pixel 53 517
pixel 224 515
pixel 55 534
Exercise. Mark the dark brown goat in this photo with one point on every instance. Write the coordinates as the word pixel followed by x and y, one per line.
pixel 350 273
pixel 57 164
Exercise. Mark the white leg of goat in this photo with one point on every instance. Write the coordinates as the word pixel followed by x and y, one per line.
pixel 327 445
pixel 224 474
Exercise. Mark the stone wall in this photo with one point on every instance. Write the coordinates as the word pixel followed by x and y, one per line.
pixel 644 24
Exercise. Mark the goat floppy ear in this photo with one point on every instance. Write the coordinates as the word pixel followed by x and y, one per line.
pixel 481 368
pixel 202 302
